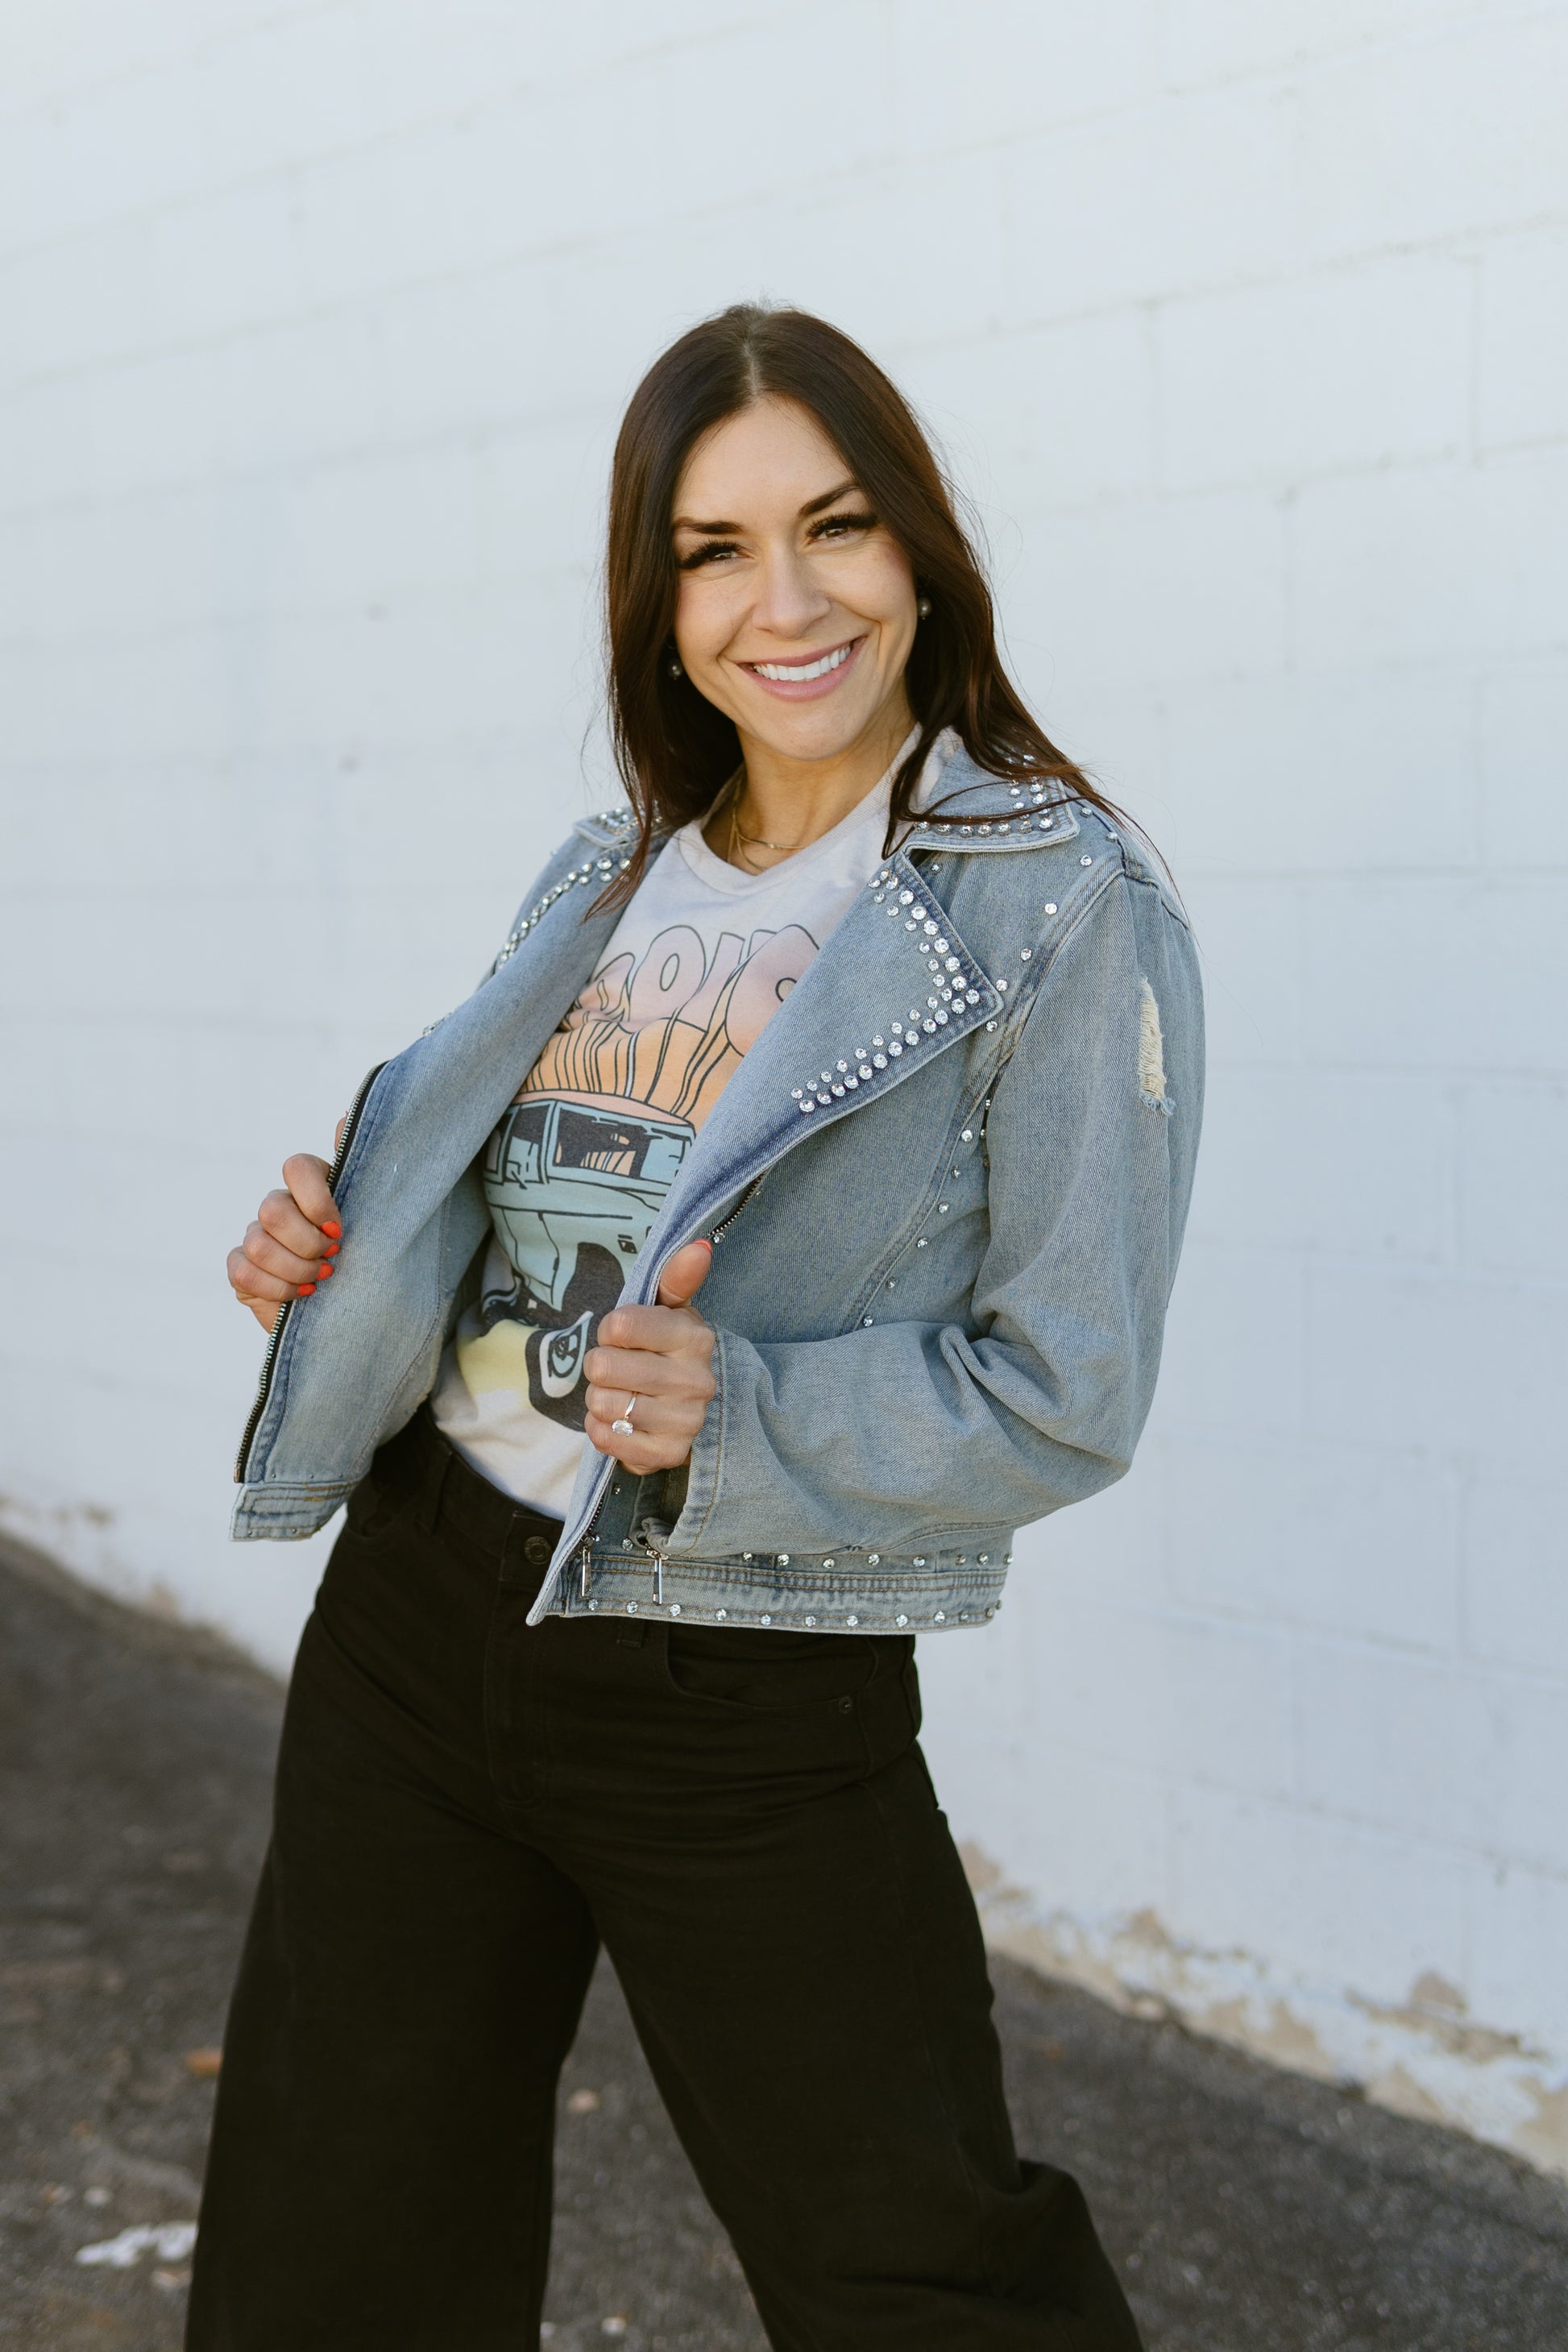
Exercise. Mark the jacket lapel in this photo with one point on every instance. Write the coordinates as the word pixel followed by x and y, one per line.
pixel 892 987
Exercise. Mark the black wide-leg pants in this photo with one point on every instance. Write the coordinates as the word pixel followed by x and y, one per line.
pixel 466 1807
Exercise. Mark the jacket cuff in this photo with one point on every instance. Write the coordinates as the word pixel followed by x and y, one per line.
pixel 707 1450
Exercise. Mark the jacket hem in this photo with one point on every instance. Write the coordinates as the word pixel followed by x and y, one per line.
pixel 277 1513
pixel 824 1597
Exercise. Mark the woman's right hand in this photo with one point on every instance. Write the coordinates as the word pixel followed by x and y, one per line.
pixel 290 1245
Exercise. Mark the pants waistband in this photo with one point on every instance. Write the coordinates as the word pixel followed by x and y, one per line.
pixel 444 1493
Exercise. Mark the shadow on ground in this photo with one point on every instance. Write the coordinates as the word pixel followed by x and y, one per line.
pixel 1248 2211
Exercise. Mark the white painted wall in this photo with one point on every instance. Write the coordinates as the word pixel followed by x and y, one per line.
pixel 1247 327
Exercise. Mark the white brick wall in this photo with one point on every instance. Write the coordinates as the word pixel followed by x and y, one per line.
pixel 1248 329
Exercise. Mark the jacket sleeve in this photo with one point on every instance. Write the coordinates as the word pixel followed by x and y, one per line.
pixel 897 1435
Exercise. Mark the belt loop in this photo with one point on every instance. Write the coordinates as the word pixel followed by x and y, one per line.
pixel 436 1463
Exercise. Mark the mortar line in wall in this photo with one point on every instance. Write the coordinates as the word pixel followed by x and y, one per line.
pixel 147 68
pixel 1298 1633
pixel 1419 1844
pixel 1354 50
pixel 1422 1843
pixel 1266 489
pixel 1301 1438
pixel 1366 1265
pixel 1455 243
pixel 458 112
pixel 511 426
pixel 458 117
pixel 1280 78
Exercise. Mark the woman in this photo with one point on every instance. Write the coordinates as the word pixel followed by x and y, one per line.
pixel 867 1024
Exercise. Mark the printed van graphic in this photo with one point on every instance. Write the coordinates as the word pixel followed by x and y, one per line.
pixel 576 1172
pixel 562 1178
pixel 574 1187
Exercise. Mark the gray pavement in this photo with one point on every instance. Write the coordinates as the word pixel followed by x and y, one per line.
pixel 1248 2211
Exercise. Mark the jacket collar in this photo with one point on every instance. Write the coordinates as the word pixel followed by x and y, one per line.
pixel 973 813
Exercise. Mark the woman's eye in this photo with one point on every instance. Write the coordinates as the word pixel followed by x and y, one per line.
pixel 714 548
pixel 837 526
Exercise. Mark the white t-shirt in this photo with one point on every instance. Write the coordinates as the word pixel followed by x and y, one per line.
pixel 577 1170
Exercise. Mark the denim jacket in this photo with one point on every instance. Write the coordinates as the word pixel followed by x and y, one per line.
pixel 946 1186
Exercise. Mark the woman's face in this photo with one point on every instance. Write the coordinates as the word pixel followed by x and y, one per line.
pixel 796 611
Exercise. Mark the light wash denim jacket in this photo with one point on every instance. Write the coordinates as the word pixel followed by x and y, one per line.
pixel 947 1187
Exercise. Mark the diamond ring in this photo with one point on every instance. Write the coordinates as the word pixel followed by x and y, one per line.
pixel 623 1428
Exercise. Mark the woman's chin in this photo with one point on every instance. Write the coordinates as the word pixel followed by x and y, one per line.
pixel 807 731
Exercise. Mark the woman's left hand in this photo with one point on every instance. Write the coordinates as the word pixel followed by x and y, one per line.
pixel 662 1356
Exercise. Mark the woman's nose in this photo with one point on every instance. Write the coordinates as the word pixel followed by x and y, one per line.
pixel 789 600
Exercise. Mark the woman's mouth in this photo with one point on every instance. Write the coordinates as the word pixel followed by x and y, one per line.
pixel 806 679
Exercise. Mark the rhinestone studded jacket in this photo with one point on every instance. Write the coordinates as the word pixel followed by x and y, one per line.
pixel 947 1187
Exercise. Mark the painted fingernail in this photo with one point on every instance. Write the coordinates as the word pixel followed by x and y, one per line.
pixel 305 1290
pixel 332 1249
pixel 333 1229
pixel 324 1269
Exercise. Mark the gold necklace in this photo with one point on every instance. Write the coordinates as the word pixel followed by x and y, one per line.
pixel 753 841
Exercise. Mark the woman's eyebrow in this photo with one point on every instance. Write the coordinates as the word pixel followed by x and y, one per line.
pixel 829 497
pixel 730 530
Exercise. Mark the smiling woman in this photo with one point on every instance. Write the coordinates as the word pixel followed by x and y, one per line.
pixel 844 1022
pixel 782 535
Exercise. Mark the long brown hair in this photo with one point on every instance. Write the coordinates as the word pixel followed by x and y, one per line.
pixel 673 748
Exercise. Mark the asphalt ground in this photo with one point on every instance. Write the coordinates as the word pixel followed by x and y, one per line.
pixel 1248 2211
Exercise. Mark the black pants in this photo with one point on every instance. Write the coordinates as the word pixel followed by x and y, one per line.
pixel 465 1807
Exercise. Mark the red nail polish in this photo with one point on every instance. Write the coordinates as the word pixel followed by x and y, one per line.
pixel 305 1290
pixel 333 1230
pixel 332 1249
pixel 324 1269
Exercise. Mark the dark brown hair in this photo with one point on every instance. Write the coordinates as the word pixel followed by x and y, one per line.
pixel 673 748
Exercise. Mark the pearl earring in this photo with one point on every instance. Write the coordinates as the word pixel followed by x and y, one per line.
pixel 675 670
pixel 924 607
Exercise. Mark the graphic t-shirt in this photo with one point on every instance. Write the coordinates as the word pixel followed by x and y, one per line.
pixel 577 1170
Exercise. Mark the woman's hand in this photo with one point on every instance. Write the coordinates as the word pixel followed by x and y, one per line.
pixel 663 1356
pixel 290 1246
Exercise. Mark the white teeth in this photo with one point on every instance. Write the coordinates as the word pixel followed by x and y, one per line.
pixel 797 673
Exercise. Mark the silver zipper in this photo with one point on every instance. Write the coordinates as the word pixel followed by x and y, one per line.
pixel 275 1336
pixel 747 1197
